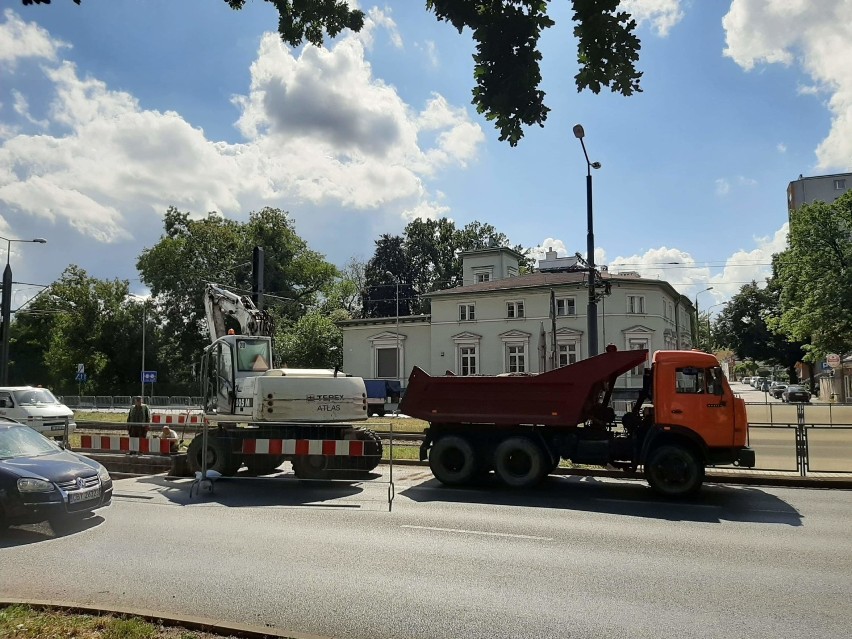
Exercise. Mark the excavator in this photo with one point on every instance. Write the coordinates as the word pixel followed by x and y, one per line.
pixel 260 415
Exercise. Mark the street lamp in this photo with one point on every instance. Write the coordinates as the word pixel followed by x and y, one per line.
pixel 709 344
pixel 592 311
pixel 144 325
pixel 697 324
pixel 398 355
pixel 7 307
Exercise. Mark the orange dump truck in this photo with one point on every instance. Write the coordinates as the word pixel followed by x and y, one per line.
pixel 684 418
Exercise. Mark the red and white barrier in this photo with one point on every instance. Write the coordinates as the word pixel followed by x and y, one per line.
pixel 105 443
pixel 172 418
pixel 324 447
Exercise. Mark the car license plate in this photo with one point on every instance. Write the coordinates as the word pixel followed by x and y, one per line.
pixel 85 495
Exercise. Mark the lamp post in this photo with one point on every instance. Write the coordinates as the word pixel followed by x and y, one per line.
pixel 144 326
pixel 7 307
pixel 398 355
pixel 709 344
pixel 697 322
pixel 592 312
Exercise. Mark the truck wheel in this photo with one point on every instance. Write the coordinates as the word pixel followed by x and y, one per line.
pixel 520 463
pixel 311 467
pixel 219 456
pixel 453 460
pixel 263 464
pixel 674 471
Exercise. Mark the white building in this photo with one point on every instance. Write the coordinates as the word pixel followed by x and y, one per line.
pixel 500 322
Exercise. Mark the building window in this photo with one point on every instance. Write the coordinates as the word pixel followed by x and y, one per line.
pixel 636 344
pixel 567 353
pixel 514 310
pixel 840 185
pixel 467 360
pixel 566 306
pixel 483 277
pixel 636 304
pixel 467 313
pixel 517 358
pixel 386 363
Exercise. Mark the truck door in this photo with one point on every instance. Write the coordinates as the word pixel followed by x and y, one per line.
pixel 702 404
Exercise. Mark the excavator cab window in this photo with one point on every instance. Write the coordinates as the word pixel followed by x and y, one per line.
pixel 253 355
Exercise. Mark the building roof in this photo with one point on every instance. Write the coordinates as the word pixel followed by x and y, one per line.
pixel 495 249
pixel 820 177
pixel 549 279
pixel 391 319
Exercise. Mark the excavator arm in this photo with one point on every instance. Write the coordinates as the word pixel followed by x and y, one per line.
pixel 220 303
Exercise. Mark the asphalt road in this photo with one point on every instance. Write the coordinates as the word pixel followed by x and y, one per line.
pixel 580 557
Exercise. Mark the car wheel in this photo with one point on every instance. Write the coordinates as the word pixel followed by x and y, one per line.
pixel 311 467
pixel 219 456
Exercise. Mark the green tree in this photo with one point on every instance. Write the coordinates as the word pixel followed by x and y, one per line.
pixel 745 326
pixel 815 278
pixel 81 319
pixel 193 252
pixel 506 68
pixel 388 280
pixel 313 341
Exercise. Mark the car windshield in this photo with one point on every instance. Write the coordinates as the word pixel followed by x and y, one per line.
pixel 795 388
pixel 22 441
pixel 34 396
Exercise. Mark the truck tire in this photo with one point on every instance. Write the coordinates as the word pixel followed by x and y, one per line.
pixel 263 464
pixel 674 471
pixel 520 463
pixel 311 467
pixel 453 461
pixel 219 456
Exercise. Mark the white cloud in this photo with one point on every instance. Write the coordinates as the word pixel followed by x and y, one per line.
pixel 814 35
pixel 22 108
pixel 320 129
pixel 723 187
pixel 377 18
pixel 430 50
pixel 662 14
pixel 745 266
pixel 19 39
pixel 672 265
pixel 538 252
pixel 782 148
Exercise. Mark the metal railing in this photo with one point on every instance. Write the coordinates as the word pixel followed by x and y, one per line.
pixel 106 402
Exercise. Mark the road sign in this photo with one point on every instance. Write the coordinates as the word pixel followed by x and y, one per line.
pixel 80 377
pixel 833 360
pixel 80 369
pixel 149 377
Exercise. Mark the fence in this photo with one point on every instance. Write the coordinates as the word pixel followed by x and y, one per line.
pixel 104 402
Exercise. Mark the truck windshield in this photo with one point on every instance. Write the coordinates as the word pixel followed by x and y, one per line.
pixel 253 355
pixel 34 397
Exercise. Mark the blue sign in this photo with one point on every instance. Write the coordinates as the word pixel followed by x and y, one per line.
pixel 149 377
pixel 80 377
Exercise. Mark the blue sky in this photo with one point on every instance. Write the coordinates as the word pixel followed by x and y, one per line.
pixel 114 110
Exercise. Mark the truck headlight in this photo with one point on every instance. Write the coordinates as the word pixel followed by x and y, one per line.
pixel 103 473
pixel 32 485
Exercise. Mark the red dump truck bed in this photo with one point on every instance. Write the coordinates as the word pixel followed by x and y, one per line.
pixel 562 397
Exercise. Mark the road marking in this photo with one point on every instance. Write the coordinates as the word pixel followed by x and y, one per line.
pixel 478 532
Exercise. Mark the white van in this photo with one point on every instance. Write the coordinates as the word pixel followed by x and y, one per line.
pixel 37 408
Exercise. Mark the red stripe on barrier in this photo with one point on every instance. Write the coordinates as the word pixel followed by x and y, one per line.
pixel 181 419
pixel 193 419
pixel 155 418
pixel 356 448
pixel 85 441
pixel 329 447
pixel 144 445
pixel 249 446
pixel 123 444
pixel 302 446
pixel 276 446
pixel 169 419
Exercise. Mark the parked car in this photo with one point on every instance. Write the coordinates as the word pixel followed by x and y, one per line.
pixel 765 385
pixel 746 380
pixel 40 481
pixel 776 389
pixel 794 393
pixel 756 381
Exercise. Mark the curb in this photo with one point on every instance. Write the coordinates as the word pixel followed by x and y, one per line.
pixel 201 624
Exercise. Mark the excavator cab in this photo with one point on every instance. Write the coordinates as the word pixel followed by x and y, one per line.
pixel 226 363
